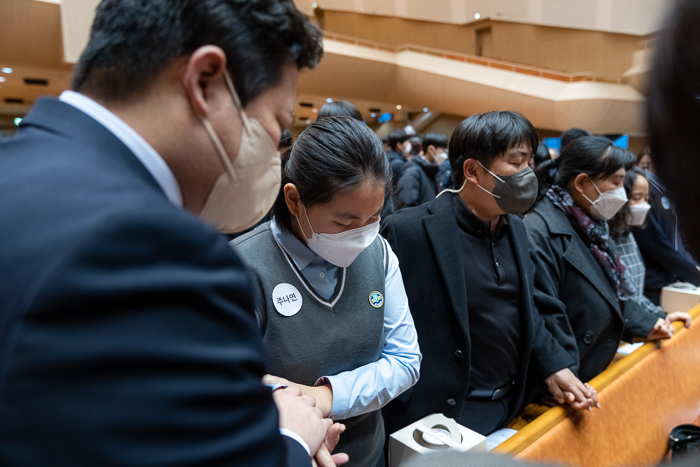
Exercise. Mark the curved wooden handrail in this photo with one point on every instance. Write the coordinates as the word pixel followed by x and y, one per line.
pixel 545 422
pixel 478 60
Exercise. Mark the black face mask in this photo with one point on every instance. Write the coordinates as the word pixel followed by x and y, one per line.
pixel 515 193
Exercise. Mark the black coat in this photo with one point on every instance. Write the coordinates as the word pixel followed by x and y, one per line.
pixel 127 331
pixel 397 161
pixel 417 184
pixel 426 242
pixel 574 296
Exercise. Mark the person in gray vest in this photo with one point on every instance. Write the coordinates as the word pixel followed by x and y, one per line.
pixel 329 296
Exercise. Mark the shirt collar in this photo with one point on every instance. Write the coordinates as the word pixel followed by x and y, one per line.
pixel 300 253
pixel 132 140
pixel 471 223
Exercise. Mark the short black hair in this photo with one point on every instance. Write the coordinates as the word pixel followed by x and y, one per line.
pixel 485 136
pixel 286 140
pixel 570 135
pixel 542 154
pixel 595 156
pixel 132 41
pixel 396 137
pixel 438 140
pixel 339 109
pixel 333 155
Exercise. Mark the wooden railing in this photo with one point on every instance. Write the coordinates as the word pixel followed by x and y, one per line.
pixel 477 60
pixel 643 396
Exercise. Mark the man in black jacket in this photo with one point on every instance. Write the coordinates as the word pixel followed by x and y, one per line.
pixel 127 331
pixel 418 182
pixel 398 140
pixel 465 263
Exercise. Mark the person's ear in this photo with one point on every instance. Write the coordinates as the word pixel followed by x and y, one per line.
pixel 469 171
pixel 292 199
pixel 205 68
pixel 580 182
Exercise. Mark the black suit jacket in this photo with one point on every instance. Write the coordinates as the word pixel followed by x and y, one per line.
pixel 127 334
pixel 426 241
pixel 575 297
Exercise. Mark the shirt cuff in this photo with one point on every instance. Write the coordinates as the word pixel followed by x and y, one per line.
pixel 289 433
pixel 337 395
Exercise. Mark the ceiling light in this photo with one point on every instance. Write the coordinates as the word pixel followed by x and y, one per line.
pixel 308 122
pixel 314 5
pixel 477 16
pixel 6 70
pixel 398 107
pixel 329 100
pixel 373 115
pixel 315 110
pixel 425 109
pixel 18 121
pixel 2 79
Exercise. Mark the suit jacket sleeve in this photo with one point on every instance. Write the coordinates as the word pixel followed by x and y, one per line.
pixel 638 321
pixel 144 332
pixel 546 253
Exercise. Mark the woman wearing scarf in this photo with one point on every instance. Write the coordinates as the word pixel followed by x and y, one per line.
pixel 582 288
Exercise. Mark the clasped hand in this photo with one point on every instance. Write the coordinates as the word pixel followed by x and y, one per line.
pixel 307 416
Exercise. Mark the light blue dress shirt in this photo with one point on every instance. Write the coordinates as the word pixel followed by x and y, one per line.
pixel 372 386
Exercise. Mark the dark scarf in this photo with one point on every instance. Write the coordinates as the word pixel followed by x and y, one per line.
pixel 595 235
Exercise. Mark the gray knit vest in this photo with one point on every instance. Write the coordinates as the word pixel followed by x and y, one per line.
pixel 325 337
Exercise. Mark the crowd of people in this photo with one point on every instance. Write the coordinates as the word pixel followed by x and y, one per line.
pixel 367 283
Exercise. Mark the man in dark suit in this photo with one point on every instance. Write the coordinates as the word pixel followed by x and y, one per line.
pixel 465 263
pixel 127 334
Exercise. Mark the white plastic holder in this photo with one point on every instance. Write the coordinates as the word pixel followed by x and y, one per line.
pixel 432 434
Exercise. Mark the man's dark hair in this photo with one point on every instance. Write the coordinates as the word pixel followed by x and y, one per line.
pixel 397 137
pixel 437 140
pixel 132 41
pixel 541 155
pixel 333 155
pixel 339 109
pixel 570 135
pixel 484 136
pixel 594 156
pixel 286 140
pixel 673 113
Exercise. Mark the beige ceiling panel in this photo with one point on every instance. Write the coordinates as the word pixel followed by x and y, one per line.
pixel 76 19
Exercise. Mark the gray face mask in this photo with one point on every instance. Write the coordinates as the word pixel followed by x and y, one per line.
pixel 515 193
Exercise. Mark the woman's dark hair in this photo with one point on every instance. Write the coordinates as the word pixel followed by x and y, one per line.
pixel 595 156
pixel 541 155
pixel 571 135
pixel 396 137
pixel 333 155
pixel 644 152
pixel 339 109
pixel 618 224
pixel 437 140
pixel 132 41
pixel 485 136
pixel 416 145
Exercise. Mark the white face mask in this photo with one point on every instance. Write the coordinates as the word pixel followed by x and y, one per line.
pixel 246 191
pixel 342 248
pixel 440 158
pixel 608 203
pixel 638 214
